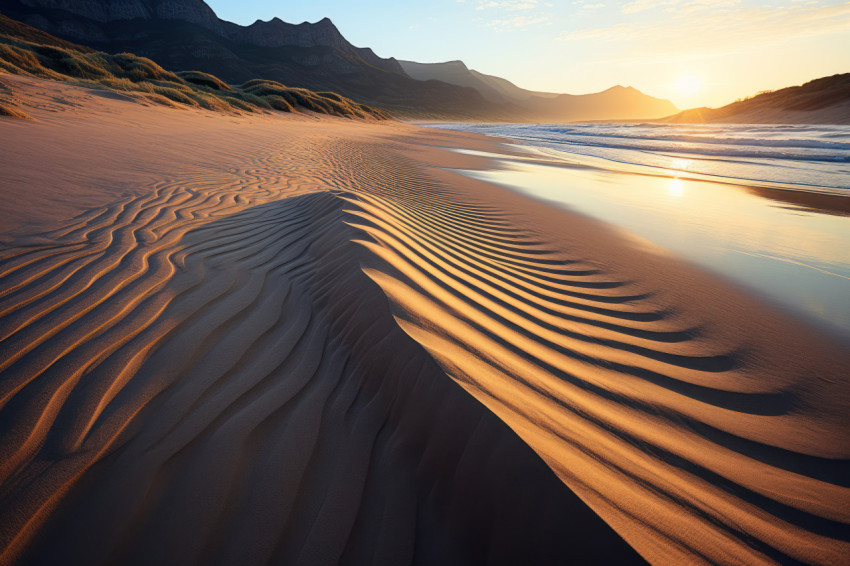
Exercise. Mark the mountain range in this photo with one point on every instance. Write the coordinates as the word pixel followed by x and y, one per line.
pixel 494 89
pixel 615 103
pixel 183 35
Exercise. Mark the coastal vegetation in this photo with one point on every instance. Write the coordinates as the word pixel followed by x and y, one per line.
pixel 26 51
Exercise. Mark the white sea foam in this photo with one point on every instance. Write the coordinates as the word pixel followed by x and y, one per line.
pixel 804 155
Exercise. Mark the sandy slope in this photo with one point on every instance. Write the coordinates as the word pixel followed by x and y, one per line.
pixel 703 427
pixel 203 367
pixel 831 115
pixel 198 370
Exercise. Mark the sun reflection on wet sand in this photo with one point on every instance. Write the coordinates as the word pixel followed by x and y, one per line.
pixel 796 256
pixel 676 188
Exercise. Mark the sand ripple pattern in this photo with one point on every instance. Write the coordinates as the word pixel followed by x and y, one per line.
pixel 693 451
pixel 212 374
pixel 80 309
pixel 205 375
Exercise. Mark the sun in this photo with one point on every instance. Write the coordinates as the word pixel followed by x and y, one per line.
pixel 689 84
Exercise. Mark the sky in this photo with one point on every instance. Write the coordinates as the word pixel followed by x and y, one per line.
pixel 693 52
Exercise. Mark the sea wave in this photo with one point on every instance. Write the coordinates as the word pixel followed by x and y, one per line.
pixel 809 156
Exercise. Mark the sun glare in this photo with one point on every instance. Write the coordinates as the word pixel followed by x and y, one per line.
pixel 675 188
pixel 681 164
pixel 689 84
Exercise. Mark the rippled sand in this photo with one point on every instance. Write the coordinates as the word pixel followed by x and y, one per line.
pixel 292 340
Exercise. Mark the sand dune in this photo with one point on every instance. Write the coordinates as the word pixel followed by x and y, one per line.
pixel 690 449
pixel 694 447
pixel 258 407
pixel 202 373
pixel 245 357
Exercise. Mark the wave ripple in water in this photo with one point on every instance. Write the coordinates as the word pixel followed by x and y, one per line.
pixel 806 155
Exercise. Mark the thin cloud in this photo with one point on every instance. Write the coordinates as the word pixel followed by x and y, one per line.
pixel 716 28
pixel 517 22
pixel 676 5
pixel 528 13
pixel 508 5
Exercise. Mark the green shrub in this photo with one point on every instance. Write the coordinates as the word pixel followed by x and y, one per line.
pixel 174 95
pixel 279 103
pixel 12 112
pixel 241 105
pixel 80 68
pixel 140 69
pixel 248 98
pixel 211 102
pixel 49 51
pixel 203 79
pixel 120 84
pixel 253 83
pixel 20 58
pixel 159 99
pixel 332 96
pixel 260 87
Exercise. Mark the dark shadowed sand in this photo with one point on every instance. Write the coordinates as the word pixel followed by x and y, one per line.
pixel 278 339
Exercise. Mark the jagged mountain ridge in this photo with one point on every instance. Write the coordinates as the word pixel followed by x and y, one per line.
pixel 184 35
pixel 273 33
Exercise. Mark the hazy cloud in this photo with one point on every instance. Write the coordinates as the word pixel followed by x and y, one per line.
pixel 692 30
pixel 509 5
pixel 587 8
pixel 517 22
pixel 531 12
pixel 676 5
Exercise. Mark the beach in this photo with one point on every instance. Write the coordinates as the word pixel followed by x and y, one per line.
pixel 764 206
pixel 291 339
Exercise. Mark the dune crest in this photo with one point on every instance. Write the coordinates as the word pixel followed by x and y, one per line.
pixel 694 446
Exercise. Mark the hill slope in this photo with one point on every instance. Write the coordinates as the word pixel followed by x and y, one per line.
pixel 25 50
pixel 508 88
pixel 492 88
pixel 452 72
pixel 821 101
pixel 186 35
pixel 615 103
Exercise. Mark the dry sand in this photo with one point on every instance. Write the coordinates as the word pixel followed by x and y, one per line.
pixel 240 349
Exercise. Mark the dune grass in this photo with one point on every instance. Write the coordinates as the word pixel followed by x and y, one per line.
pixel 11 111
pixel 203 79
pixel 133 74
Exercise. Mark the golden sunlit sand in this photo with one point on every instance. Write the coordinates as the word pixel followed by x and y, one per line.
pixel 291 339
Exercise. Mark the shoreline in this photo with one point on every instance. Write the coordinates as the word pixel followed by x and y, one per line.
pixel 705 221
pixel 243 348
